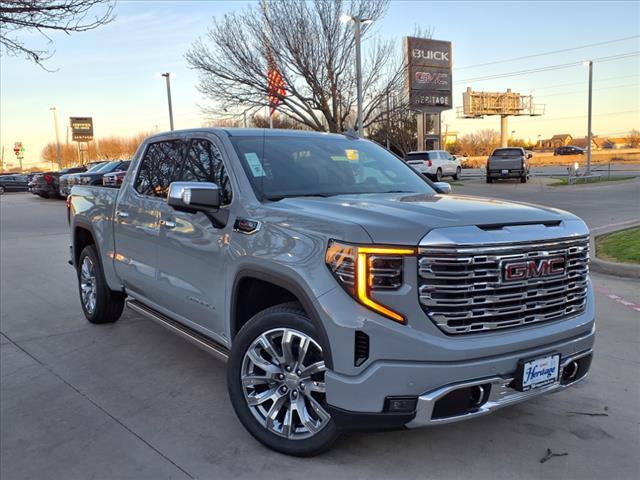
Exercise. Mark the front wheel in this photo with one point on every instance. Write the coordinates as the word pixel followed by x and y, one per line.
pixel 439 175
pixel 489 179
pixel 276 382
pixel 523 179
pixel 99 303
pixel 1 189
pixel 458 173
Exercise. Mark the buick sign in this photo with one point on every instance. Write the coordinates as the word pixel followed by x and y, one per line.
pixel 428 74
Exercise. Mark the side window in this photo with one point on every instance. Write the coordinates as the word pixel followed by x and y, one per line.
pixel 204 164
pixel 158 167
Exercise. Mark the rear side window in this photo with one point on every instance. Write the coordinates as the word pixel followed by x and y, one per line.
pixel 204 164
pixel 158 167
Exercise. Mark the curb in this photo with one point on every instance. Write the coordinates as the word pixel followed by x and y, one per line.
pixel 624 270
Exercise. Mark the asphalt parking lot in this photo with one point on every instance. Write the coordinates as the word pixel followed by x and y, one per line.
pixel 132 400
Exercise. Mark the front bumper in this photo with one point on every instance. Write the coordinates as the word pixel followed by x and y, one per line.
pixel 496 393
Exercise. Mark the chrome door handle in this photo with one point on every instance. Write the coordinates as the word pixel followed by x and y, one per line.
pixel 122 214
pixel 167 224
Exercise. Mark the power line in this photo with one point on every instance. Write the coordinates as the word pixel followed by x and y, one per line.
pixel 548 68
pixel 584 82
pixel 582 91
pixel 580 47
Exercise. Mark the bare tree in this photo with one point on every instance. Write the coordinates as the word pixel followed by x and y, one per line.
pixel 633 139
pixel 314 52
pixel 45 16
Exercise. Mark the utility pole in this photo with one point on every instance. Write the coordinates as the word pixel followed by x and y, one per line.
pixel 167 76
pixel 388 120
pixel 55 123
pixel 589 134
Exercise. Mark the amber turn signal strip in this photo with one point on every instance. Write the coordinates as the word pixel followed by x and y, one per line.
pixel 364 279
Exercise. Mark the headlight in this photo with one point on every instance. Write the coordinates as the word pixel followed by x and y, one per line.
pixel 84 180
pixel 361 269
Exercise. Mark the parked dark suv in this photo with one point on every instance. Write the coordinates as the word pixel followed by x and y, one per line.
pixel 13 183
pixel 568 150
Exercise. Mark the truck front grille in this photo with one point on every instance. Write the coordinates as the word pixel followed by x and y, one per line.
pixel 463 288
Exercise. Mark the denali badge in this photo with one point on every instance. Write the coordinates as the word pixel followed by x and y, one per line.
pixel 525 269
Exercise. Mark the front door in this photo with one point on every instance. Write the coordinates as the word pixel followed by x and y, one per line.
pixel 192 248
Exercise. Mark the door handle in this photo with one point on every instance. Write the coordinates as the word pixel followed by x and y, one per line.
pixel 122 214
pixel 167 224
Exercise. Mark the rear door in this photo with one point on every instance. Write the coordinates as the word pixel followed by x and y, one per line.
pixel 137 218
pixel 191 249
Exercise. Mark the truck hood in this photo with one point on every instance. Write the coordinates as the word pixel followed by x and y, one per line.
pixel 405 219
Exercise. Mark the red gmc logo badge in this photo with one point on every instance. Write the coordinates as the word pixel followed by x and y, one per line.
pixel 526 269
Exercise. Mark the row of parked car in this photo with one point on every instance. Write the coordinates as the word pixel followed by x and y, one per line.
pixel 58 184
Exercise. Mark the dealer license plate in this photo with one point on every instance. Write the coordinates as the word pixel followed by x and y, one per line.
pixel 538 372
pixel 505 172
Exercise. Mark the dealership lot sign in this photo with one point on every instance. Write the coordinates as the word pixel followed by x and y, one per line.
pixel 81 129
pixel 428 74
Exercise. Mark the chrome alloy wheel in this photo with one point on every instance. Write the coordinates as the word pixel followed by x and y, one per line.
pixel 283 383
pixel 88 285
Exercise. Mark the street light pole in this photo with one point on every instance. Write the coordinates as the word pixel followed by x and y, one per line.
pixel 167 78
pixel 358 77
pixel 589 134
pixel 358 23
pixel 55 123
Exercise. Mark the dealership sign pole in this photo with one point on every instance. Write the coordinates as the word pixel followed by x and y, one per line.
pixel 429 85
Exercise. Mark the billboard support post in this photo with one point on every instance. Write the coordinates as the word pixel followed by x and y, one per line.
pixel 504 127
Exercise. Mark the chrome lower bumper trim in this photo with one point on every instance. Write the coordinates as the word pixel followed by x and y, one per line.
pixel 501 395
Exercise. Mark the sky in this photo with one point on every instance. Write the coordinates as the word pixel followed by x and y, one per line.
pixel 111 73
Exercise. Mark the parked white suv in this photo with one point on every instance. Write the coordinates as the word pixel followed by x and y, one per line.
pixel 435 164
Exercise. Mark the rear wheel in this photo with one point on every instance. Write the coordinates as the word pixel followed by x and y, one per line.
pixel 489 179
pixel 523 179
pixel 458 173
pixel 99 303
pixel 1 189
pixel 276 381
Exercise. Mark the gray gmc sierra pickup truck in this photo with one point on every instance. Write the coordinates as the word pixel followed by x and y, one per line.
pixel 345 290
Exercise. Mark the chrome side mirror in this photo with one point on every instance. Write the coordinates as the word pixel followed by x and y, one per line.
pixel 194 196
pixel 443 187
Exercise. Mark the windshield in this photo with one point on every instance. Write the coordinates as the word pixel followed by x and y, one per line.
pixel 507 152
pixel 294 166
pixel 96 167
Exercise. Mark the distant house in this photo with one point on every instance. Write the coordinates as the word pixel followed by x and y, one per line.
pixel 597 143
pixel 556 141
pixel 619 142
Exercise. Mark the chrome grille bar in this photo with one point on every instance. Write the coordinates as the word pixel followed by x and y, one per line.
pixel 462 289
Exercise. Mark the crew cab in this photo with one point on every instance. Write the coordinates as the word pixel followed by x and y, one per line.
pixel 509 162
pixel 435 164
pixel 344 289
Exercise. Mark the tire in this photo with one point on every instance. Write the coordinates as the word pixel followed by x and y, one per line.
pixel 458 173
pixel 107 305
pixel 1 190
pixel 523 179
pixel 489 179
pixel 284 385
pixel 439 175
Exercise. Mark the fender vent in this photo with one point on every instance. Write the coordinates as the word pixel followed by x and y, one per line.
pixel 361 348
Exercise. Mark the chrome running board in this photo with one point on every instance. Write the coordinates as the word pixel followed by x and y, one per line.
pixel 205 343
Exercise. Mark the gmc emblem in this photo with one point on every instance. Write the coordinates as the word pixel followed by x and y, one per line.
pixel 526 269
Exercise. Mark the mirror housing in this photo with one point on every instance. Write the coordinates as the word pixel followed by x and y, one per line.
pixel 194 197
pixel 529 155
pixel 443 187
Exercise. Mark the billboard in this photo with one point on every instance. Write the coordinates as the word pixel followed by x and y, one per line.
pixel 428 74
pixel 81 129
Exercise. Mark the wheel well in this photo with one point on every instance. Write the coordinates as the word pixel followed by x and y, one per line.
pixel 81 238
pixel 253 295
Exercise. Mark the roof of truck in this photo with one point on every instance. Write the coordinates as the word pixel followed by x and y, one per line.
pixel 254 132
